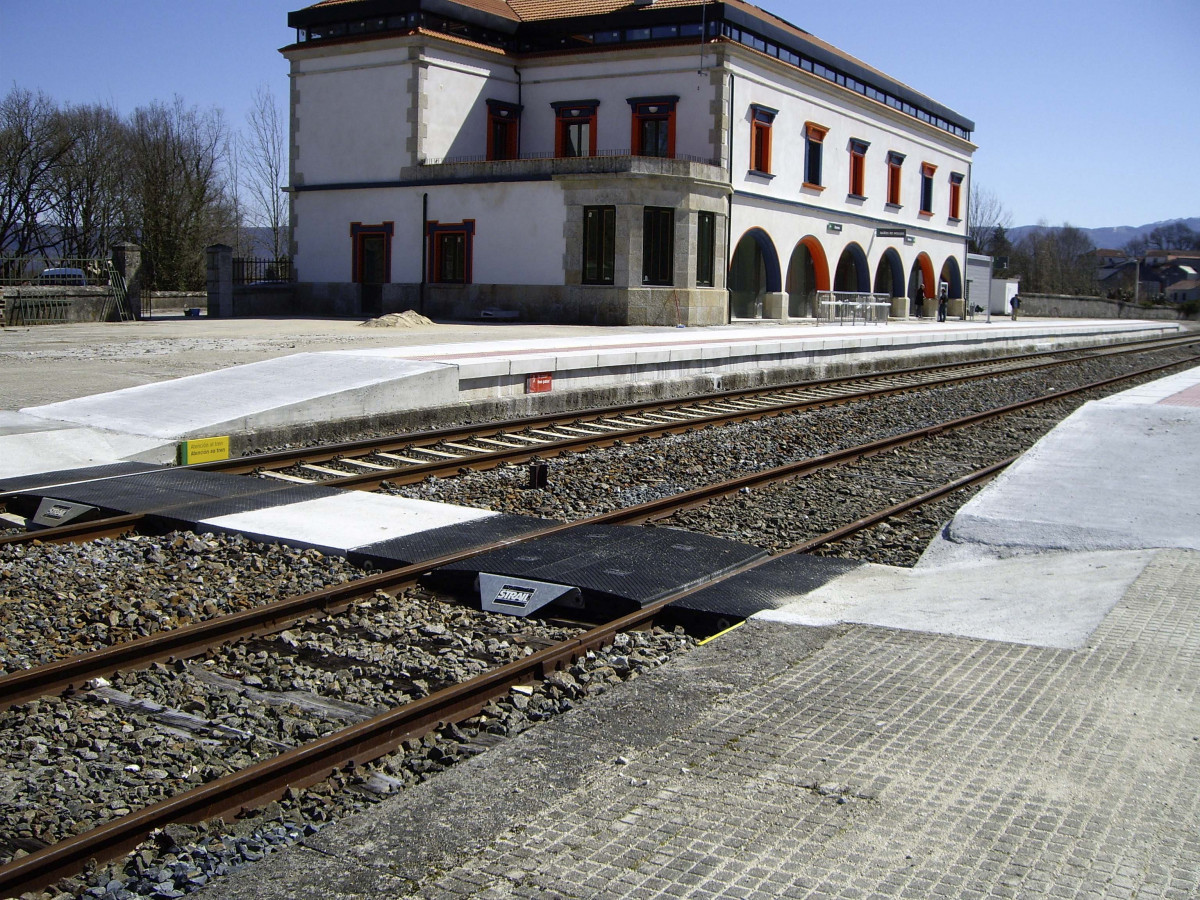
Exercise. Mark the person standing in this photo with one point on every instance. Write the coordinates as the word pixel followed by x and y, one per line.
pixel 919 299
pixel 1015 302
pixel 942 303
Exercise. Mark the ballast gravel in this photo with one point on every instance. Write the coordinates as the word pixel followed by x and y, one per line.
pixel 58 600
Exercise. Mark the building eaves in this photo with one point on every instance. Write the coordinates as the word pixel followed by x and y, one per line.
pixel 509 15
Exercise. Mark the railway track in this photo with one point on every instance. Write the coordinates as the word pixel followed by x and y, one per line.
pixel 364 465
pixel 380 734
pixel 446 453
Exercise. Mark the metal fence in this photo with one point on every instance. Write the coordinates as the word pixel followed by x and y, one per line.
pixel 847 308
pixel 263 271
pixel 54 271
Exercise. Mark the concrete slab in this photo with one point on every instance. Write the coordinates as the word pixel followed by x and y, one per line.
pixel 292 390
pixel 343 522
pixel 1114 475
pixel 1052 600
pixel 19 423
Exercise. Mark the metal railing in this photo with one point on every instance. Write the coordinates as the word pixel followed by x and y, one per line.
pixel 53 271
pixel 846 307
pixel 37 311
pixel 263 271
pixel 525 157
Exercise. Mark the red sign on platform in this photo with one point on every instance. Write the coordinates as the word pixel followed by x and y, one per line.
pixel 539 383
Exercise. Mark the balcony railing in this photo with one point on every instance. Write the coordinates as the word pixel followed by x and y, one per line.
pixel 625 153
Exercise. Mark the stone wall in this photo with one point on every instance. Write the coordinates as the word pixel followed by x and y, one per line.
pixel 1064 307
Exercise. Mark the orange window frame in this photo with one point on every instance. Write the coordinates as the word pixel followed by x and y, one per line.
pixel 762 121
pixel 649 109
pixel 358 233
pixel 956 181
pixel 503 130
pixel 569 115
pixel 927 172
pixel 435 232
pixel 894 163
pixel 858 168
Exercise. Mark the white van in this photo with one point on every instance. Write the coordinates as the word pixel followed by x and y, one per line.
pixel 72 277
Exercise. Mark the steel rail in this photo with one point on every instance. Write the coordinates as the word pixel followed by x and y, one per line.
pixel 79 532
pixel 366 741
pixel 364 447
pixel 657 509
pixel 489 460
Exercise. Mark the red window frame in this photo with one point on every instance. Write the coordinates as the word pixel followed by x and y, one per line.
pixel 359 231
pixel 858 167
pixel 927 173
pixel 568 115
pixel 761 121
pixel 894 162
pixel 437 232
pixel 652 109
pixel 956 180
pixel 503 130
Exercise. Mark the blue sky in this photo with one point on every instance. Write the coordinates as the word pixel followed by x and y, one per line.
pixel 1084 111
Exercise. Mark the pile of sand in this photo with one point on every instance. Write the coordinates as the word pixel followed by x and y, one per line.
pixel 408 319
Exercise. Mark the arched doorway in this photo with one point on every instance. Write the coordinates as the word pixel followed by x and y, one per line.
pixel 952 276
pixel 753 272
pixel 921 277
pixel 808 272
pixel 889 274
pixel 853 274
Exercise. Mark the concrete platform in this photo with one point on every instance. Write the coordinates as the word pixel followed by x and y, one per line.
pixel 298 391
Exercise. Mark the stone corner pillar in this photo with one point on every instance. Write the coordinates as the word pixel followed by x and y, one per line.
pixel 219 270
pixel 127 260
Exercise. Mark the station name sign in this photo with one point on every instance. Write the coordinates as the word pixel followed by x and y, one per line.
pixel 891 232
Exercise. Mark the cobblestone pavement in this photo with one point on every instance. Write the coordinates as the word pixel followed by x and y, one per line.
pixel 904 765
pixel 868 763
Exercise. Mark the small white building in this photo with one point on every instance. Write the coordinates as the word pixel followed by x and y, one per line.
pixel 615 161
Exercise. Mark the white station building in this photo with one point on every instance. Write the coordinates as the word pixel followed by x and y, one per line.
pixel 641 162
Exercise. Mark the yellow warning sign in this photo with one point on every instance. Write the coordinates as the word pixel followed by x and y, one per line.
pixel 203 450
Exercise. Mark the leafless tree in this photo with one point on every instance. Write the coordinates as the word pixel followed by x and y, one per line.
pixel 265 157
pixel 1172 236
pixel 91 185
pixel 179 194
pixel 1056 261
pixel 33 144
pixel 985 215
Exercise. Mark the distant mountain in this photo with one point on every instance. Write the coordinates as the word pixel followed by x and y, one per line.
pixel 1113 238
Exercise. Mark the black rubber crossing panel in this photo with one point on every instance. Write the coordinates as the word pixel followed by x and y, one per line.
pixel 202 494
pixel 42 480
pixel 772 584
pixel 437 542
pixel 612 565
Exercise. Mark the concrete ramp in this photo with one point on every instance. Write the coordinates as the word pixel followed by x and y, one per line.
pixel 293 390
pixel 1118 474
